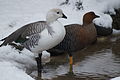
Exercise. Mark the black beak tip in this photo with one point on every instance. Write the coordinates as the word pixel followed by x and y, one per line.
pixel 64 16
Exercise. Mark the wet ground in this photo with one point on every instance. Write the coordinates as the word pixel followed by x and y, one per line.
pixel 100 61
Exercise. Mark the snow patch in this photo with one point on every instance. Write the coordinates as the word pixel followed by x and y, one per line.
pixel 117 78
pixel 9 72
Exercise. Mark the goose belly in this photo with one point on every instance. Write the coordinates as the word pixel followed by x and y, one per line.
pixel 48 41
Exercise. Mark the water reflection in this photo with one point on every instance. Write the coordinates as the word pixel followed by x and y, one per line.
pixel 100 61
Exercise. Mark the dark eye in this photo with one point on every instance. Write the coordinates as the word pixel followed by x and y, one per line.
pixel 58 12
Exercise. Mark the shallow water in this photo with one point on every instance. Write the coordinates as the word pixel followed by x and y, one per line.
pixel 100 61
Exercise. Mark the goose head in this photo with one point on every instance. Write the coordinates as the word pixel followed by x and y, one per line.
pixel 54 14
pixel 88 18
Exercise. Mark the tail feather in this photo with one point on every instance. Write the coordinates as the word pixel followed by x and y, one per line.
pixel 0 45
pixel 3 39
pixel 12 37
pixel 3 42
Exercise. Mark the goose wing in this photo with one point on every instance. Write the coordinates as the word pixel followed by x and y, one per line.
pixel 21 34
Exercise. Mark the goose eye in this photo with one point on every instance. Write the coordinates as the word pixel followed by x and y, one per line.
pixel 58 12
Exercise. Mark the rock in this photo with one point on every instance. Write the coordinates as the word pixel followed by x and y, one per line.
pixel 103 31
pixel 116 20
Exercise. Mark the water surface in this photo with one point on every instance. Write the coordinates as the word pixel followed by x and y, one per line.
pixel 100 61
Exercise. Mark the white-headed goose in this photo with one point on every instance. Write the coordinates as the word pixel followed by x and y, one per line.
pixel 41 35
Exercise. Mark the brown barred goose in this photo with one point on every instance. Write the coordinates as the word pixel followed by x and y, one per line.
pixel 77 36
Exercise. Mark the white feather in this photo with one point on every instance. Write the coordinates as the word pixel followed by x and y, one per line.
pixel 48 41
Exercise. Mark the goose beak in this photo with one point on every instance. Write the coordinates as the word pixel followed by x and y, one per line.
pixel 64 16
pixel 96 16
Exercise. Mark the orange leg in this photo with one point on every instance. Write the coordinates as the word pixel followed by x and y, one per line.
pixel 71 64
pixel 71 60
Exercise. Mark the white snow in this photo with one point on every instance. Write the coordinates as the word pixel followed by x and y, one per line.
pixel 117 78
pixel 105 20
pixel 13 63
pixel 16 13
pixel 10 72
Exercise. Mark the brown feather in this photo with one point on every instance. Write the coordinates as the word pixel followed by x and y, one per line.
pixel 78 36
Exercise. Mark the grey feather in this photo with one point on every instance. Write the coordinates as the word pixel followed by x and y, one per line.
pixel 34 28
pixel 29 30
pixel 33 40
pixel 13 37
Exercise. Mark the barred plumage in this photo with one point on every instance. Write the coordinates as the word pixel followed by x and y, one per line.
pixel 77 36
pixel 31 31
pixel 34 28
pixel 33 40
pixel 37 36
pixel 29 35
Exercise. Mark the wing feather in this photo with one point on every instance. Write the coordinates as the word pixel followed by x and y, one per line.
pixel 27 30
